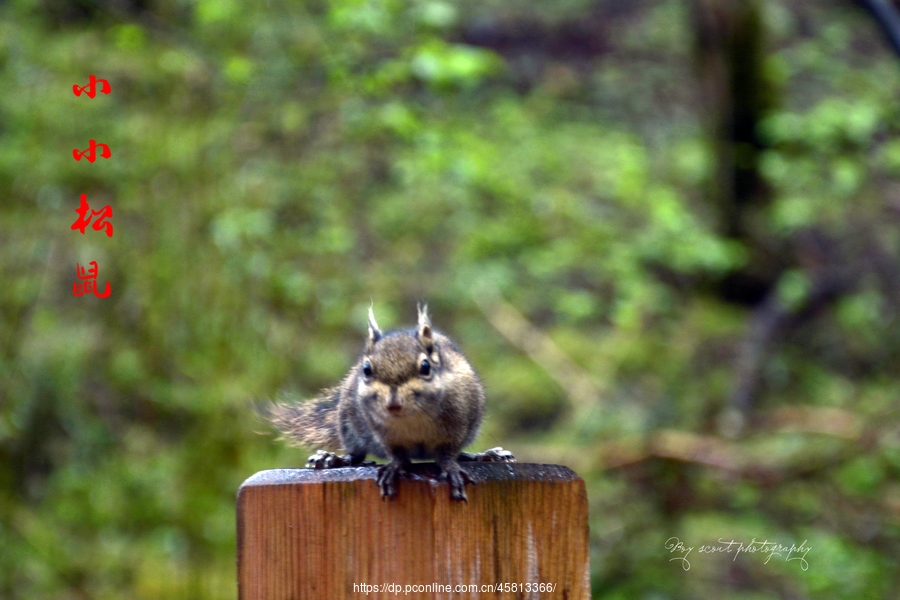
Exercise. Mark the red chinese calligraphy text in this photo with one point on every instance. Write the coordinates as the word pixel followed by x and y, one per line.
pixel 84 220
pixel 89 279
pixel 90 88
pixel 90 152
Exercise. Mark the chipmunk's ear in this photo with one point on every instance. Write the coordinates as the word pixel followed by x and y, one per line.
pixel 374 331
pixel 424 331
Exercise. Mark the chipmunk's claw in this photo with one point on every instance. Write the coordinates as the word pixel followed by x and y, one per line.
pixel 387 478
pixel 457 477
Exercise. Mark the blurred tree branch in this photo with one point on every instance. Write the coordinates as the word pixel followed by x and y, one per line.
pixel 744 458
pixel 579 385
pixel 769 321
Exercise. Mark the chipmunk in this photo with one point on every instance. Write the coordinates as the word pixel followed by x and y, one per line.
pixel 412 395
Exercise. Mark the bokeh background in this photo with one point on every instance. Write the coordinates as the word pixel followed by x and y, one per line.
pixel 664 232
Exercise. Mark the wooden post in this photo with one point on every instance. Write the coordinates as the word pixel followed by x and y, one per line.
pixel 304 533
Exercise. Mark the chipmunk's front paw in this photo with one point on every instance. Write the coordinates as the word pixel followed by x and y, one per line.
pixel 458 478
pixel 387 478
pixel 497 454
pixel 327 460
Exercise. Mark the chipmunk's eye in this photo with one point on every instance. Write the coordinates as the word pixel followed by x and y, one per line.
pixel 425 368
pixel 367 369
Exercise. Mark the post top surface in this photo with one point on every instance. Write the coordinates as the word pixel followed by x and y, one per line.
pixel 479 472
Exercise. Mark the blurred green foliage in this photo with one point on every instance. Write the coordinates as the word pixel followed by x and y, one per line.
pixel 278 166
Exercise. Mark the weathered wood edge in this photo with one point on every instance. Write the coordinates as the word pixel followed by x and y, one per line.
pixel 478 472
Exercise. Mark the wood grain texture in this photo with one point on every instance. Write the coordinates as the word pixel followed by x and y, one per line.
pixel 304 533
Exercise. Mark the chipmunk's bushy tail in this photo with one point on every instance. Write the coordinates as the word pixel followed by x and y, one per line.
pixel 312 424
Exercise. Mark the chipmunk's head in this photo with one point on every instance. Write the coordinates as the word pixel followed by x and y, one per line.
pixel 401 372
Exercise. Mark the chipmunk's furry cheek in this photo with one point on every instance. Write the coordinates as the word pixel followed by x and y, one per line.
pixel 369 398
pixel 371 389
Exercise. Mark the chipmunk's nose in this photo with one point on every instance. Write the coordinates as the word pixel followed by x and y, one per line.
pixel 393 404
